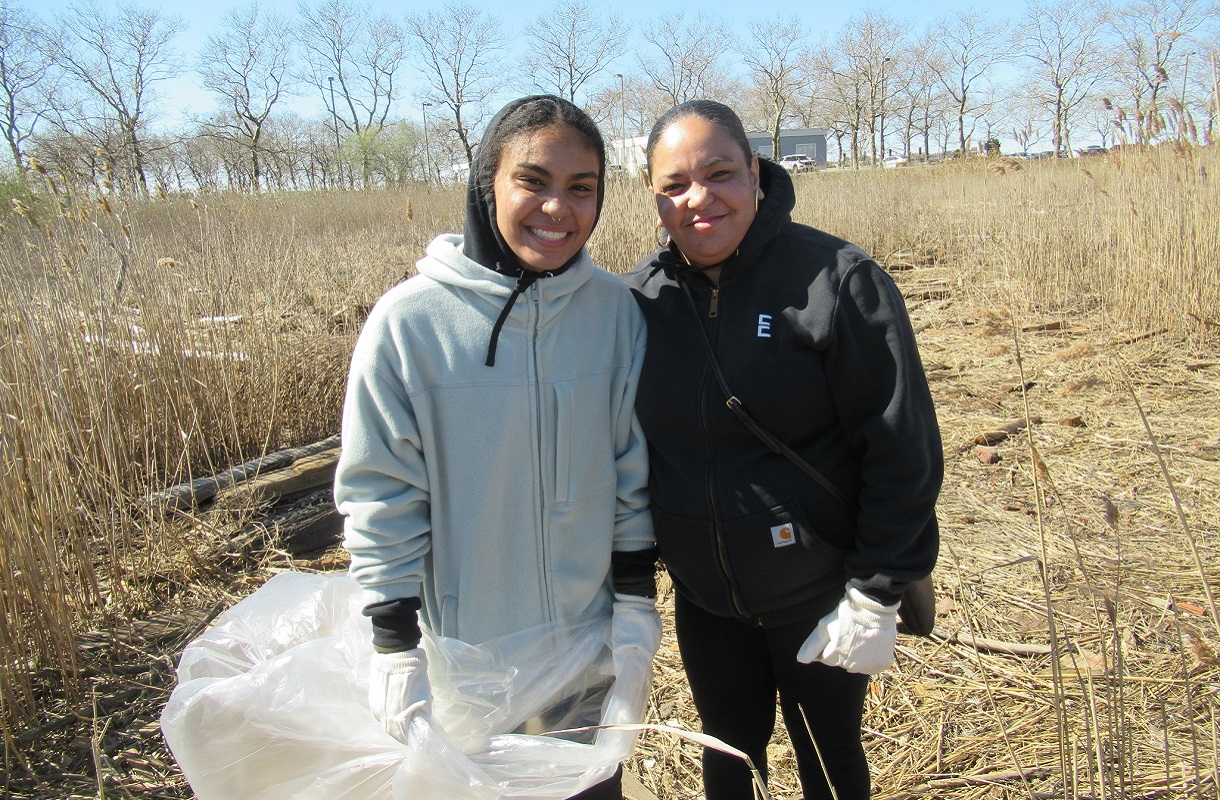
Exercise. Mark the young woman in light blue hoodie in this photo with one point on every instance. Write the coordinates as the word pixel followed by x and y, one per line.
pixel 493 475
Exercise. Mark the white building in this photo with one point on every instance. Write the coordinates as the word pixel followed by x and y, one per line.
pixel 626 155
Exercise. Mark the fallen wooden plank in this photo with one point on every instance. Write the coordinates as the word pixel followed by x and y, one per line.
pixel 312 524
pixel 310 472
pixel 193 493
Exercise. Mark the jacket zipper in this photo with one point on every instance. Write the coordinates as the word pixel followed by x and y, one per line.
pixel 721 555
pixel 539 443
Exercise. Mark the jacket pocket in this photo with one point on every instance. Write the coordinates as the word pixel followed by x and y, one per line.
pixel 776 558
pixel 750 565
pixel 688 548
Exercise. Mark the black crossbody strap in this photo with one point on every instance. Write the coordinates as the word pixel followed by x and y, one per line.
pixel 739 410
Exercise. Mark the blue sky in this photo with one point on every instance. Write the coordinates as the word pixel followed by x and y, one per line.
pixel 181 97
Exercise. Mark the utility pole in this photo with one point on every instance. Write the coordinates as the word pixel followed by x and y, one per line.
pixel 427 150
pixel 1215 89
pixel 622 99
pixel 334 118
pixel 884 61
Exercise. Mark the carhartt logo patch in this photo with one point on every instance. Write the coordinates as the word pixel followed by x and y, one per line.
pixel 783 535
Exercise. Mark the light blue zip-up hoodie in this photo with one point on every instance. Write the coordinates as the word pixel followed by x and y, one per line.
pixel 494 493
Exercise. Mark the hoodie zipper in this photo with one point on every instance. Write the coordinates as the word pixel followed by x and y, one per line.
pixel 721 555
pixel 535 302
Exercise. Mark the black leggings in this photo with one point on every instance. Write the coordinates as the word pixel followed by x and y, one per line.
pixel 734 668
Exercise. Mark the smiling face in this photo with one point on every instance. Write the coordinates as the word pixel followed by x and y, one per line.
pixel 546 195
pixel 705 188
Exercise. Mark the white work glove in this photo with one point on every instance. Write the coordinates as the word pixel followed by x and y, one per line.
pixel 859 635
pixel 636 624
pixel 399 689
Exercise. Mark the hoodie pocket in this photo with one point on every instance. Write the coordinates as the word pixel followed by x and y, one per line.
pixel 565 409
pixel 584 444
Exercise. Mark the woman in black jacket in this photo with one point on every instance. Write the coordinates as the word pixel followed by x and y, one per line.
pixel 783 584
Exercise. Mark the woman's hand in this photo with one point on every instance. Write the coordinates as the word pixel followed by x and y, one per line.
pixel 859 635
pixel 399 690
pixel 636 624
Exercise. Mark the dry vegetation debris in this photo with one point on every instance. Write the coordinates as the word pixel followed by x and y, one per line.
pixel 1076 656
pixel 1127 709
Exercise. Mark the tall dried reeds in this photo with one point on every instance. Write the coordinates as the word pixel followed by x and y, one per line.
pixel 147 343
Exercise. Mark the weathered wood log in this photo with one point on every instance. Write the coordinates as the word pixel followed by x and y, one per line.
pixel 991 645
pixel 1003 432
pixel 1138 337
pixel 1042 326
pixel 310 525
pixel 304 474
pixel 935 786
pixel 194 493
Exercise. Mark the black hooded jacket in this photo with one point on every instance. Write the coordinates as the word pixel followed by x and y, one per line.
pixel 813 337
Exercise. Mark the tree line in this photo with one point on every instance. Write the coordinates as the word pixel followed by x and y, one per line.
pixel 79 90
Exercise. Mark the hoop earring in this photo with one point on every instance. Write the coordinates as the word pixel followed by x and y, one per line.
pixel 662 237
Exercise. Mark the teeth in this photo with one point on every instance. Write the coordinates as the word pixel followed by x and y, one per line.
pixel 553 236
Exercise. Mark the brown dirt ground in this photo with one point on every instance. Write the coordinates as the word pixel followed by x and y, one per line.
pixel 1077 515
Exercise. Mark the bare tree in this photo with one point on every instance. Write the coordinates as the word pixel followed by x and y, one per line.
pixel 858 78
pixel 627 106
pixel 920 95
pixel 835 92
pixel 27 79
pixel 570 44
pixel 353 60
pixel 458 49
pixel 773 57
pixel 969 47
pixel 684 65
pixel 119 55
pixel 247 65
pixel 873 59
pixel 1064 41
pixel 1150 35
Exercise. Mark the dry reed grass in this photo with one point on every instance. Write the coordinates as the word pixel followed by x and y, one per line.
pixel 1030 290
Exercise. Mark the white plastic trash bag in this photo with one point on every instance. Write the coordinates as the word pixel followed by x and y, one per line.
pixel 272 703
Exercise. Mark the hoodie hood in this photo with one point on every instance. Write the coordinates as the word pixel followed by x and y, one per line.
pixel 483 242
pixel 774 212
pixel 495 294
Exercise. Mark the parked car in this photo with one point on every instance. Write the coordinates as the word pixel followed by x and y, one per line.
pixel 1092 150
pixel 896 161
pixel 798 162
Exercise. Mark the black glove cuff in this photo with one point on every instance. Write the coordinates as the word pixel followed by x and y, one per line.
pixel 635 571
pixel 395 624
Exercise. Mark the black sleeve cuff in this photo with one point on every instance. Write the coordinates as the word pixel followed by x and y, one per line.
pixel 635 571
pixel 395 624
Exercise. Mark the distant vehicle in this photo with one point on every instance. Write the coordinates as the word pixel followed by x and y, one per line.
pixel 1093 150
pixel 895 161
pixel 798 162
